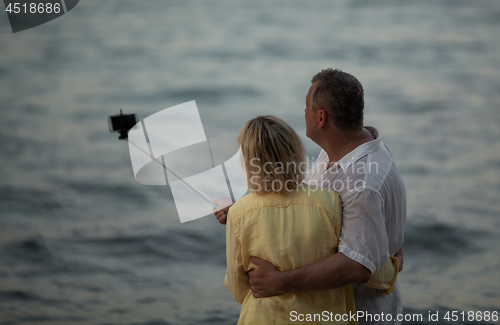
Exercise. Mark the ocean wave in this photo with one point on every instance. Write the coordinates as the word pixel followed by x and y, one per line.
pixel 173 246
pixel 441 240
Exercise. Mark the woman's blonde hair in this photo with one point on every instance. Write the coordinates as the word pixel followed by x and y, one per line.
pixel 273 155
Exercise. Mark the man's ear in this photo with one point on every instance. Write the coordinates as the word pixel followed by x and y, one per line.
pixel 321 118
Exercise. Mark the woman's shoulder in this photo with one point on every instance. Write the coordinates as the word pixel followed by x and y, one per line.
pixel 304 195
pixel 315 192
pixel 318 196
pixel 243 204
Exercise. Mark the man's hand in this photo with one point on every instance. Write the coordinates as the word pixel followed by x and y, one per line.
pixel 266 280
pixel 399 256
pixel 224 204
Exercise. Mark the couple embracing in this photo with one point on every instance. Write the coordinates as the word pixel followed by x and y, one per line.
pixel 322 247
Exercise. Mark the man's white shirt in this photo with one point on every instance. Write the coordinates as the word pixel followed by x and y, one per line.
pixel 374 213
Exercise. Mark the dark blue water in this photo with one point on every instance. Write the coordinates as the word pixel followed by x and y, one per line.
pixel 81 242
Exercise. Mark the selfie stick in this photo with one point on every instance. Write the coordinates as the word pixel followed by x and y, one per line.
pixel 122 123
pixel 192 186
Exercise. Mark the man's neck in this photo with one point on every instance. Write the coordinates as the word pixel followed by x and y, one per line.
pixel 339 144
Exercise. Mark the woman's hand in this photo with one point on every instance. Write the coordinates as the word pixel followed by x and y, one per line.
pixel 224 204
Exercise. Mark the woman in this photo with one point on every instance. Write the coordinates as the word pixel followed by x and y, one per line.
pixel 285 222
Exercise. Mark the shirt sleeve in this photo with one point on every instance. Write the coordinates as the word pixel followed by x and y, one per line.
pixel 236 279
pixel 363 236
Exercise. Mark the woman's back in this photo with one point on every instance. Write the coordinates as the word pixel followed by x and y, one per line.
pixel 290 231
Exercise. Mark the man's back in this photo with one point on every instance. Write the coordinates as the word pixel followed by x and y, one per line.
pixel 374 214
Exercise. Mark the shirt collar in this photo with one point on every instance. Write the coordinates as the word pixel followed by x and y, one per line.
pixel 361 151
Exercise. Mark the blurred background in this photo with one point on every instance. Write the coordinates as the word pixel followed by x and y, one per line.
pixel 81 242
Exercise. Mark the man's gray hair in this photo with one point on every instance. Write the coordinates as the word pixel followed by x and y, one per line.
pixel 341 95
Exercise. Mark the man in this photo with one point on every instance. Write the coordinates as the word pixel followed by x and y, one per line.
pixel 355 163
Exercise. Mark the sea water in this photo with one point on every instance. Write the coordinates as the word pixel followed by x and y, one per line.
pixel 81 242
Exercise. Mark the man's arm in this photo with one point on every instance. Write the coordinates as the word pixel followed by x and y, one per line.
pixel 329 273
pixel 399 256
